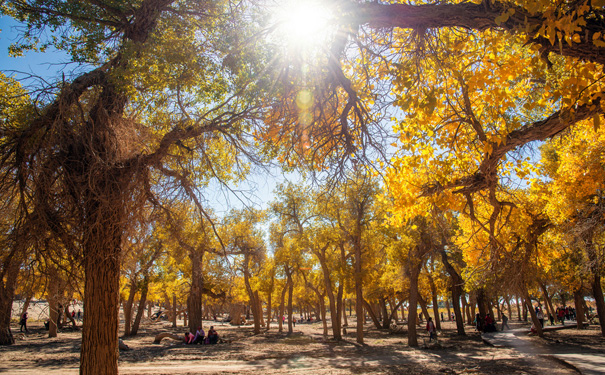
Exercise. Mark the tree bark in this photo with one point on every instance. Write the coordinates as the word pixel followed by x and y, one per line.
pixel 597 292
pixel 53 302
pixel 290 298
pixel 413 272
pixel 578 299
pixel 102 246
pixel 8 284
pixel 532 312
pixel 141 307
pixel 132 291
pixel 194 302
pixel 372 314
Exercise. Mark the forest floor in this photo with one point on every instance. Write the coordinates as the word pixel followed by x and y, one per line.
pixel 306 351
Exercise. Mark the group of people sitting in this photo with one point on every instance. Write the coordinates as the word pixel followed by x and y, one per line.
pixel 200 336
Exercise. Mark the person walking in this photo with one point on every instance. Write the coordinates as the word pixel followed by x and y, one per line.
pixel 23 322
pixel 430 327
pixel 504 322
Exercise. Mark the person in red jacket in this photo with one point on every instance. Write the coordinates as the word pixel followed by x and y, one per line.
pixel 430 326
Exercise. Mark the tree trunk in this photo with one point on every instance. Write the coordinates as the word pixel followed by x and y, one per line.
pixel 28 300
pixel 269 308
pixel 7 294
pixel 259 308
pixel 372 314
pixel 290 306
pixel 282 305
pixel 194 302
pixel 359 289
pixel 99 351
pixel 413 272
pixel 394 308
pixel 456 290
pixel 174 311
pixel 53 302
pixel 434 300
pixel 547 299
pixel 141 307
pixel 532 312
pixel 132 291
pixel 423 307
pixel 597 293
pixel 518 308
pixel 334 313
pixel 386 317
pixel 70 317
pixel 578 299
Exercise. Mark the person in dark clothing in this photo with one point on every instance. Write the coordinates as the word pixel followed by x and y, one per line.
pixel 23 322
pixel 212 336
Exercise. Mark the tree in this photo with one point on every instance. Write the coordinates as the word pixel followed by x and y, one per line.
pixel 91 155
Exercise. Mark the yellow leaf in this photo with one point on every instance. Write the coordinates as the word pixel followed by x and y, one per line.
pixel 596 121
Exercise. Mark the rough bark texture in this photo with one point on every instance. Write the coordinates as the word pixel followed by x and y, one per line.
pixel 10 270
pixel 194 302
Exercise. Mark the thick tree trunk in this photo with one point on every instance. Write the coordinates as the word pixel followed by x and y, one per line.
pixel 194 302
pixel 423 307
pixel 259 308
pixel 578 299
pixel 413 272
pixel 141 307
pixel 7 294
pixel 99 352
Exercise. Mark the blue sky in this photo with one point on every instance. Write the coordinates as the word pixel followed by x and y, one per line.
pixel 256 192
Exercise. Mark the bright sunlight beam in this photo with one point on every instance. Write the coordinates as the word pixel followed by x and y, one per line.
pixel 303 23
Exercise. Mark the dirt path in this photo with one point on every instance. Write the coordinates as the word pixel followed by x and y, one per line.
pixel 306 350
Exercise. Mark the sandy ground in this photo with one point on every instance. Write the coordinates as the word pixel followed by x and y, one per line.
pixel 305 350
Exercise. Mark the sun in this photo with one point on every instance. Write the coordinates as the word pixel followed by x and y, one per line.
pixel 302 23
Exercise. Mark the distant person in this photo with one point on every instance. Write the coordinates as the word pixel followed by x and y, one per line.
pixel 489 324
pixel 79 315
pixel 200 335
pixel 189 337
pixel 540 316
pixel 561 315
pixel 294 321
pixel 430 327
pixel 443 320
pixel 23 322
pixel 478 323
pixel 552 319
pixel 504 322
pixel 212 336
